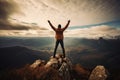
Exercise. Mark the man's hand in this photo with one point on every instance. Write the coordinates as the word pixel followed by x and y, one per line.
pixel 68 20
pixel 48 21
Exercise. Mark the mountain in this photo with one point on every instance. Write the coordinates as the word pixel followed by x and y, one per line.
pixel 101 51
pixel 57 68
pixel 17 56
pixel 44 69
pixel 54 69
pixel 86 52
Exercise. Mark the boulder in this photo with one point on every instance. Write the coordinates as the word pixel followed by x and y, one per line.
pixel 98 73
pixel 53 62
pixel 37 63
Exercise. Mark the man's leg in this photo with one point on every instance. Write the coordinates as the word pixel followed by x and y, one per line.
pixel 56 45
pixel 63 49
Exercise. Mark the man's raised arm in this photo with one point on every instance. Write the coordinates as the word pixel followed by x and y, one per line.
pixel 66 25
pixel 51 25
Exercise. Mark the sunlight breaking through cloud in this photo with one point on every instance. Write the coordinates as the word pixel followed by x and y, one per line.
pixel 29 17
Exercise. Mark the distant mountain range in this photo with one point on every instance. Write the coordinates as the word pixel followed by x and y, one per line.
pixel 87 52
pixel 17 56
pixel 101 51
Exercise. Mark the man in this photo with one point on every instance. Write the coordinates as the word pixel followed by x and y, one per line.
pixel 59 36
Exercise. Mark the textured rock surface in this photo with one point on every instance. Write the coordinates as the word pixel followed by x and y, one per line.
pixel 98 73
pixel 37 63
pixel 57 68
pixel 65 71
pixel 63 65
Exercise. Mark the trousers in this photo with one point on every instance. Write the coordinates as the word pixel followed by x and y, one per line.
pixel 62 46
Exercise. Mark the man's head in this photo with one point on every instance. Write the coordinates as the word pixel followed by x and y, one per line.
pixel 59 26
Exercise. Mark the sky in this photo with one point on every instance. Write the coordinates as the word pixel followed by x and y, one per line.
pixel 89 18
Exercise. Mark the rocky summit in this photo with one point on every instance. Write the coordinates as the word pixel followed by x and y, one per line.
pixel 62 65
pixel 57 68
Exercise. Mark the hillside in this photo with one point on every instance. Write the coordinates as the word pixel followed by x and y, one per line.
pixel 17 56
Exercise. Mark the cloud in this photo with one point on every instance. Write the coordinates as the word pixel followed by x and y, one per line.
pixel 81 12
pixel 8 25
pixel 94 32
pixel 27 33
pixel 7 8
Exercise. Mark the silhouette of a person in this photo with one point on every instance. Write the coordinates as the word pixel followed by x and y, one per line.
pixel 59 36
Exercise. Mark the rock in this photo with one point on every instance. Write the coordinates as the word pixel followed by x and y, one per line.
pixel 63 65
pixel 59 67
pixel 98 73
pixel 64 71
pixel 37 63
pixel 53 62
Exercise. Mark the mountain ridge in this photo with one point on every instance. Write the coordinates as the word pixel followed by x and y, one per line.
pixel 17 56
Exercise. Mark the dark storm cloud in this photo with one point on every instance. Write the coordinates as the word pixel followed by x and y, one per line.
pixel 8 8
pixel 8 26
